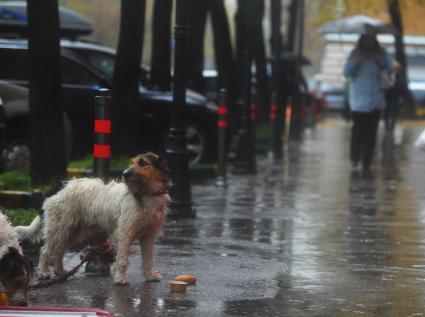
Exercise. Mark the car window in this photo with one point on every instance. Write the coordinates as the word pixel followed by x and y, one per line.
pixel 102 62
pixel 74 73
pixel 13 64
pixel 105 63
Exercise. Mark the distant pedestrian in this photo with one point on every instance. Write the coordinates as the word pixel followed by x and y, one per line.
pixel 366 97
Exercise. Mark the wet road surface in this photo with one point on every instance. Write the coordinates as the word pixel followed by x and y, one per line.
pixel 307 236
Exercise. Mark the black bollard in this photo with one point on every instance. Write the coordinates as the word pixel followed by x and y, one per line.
pixel 102 132
pixel 276 117
pixel 222 139
pixel 253 114
pixel 245 153
pixel 276 109
pixel 101 154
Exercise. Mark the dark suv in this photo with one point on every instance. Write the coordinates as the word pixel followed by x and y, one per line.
pixel 86 67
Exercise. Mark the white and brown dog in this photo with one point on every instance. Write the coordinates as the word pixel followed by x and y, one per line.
pixel 15 270
pixel 133 209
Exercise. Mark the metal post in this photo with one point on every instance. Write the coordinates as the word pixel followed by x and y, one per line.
pixel 295 131
pixel 276 111
pixel 102 132
pixel 176 151
pixel 222 139
pixel 276 119
pixel 245 153
pixel 100 263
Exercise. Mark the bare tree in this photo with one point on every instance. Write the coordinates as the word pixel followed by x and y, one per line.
pixel 401 89
pixel 126 77
pixel 47 139
pixel 197 22
pixel 161 50
pixel 223 51
pixel 250 36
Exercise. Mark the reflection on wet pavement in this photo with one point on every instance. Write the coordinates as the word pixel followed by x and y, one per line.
pixel 306 236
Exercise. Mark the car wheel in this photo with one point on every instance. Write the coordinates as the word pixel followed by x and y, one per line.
pixel 16 156
pixel 197 143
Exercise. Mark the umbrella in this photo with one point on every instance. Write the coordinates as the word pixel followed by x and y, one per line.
pixel 356 24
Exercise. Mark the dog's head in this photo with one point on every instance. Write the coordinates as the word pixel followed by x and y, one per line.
pixel 147 174
pixel 15 275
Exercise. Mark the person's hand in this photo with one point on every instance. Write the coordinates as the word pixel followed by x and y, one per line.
pixel 397 66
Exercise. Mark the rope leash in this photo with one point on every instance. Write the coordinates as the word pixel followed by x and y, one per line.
pixel 102 249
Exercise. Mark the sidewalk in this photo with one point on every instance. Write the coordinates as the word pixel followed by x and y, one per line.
pixel 304 237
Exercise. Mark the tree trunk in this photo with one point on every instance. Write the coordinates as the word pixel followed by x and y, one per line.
pixel 126 111
pixel 47 139
pixel 401 87
pixel 259 56
pixel 161 39
pixel 291 33
pixel 222 43
pixel 197 22
pixel 223 53
pixel 250 36
pixel 241 43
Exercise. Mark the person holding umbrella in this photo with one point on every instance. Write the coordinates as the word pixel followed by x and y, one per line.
pixel 363 69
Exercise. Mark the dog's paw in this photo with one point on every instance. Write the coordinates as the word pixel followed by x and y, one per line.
pixel 43 276
pixel 154 277
pixel 121 280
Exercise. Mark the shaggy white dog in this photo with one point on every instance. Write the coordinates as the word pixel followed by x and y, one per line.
pixel 8 238
pixel 15 270
pixel 134 209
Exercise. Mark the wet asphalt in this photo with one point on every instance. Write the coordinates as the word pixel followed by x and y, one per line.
pixel 305 236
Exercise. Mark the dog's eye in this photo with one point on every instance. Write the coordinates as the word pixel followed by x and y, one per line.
pixel 142 163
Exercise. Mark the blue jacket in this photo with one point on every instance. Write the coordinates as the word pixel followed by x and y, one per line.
pixel 365 95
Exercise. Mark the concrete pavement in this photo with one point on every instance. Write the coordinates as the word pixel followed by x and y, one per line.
pixel 306 236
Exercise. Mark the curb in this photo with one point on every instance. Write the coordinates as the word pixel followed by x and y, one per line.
pixel 20 199
pixel 196 172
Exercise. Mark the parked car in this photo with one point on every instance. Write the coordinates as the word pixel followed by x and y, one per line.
pixel 13 20
pixel 86 67
pixel 14 124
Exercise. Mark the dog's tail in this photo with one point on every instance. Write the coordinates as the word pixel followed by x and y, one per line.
pixel 32 232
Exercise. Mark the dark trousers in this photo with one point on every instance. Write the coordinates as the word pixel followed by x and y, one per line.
pixel 363 136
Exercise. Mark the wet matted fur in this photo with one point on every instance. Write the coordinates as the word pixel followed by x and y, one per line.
pixel 15 270
pixel 133 209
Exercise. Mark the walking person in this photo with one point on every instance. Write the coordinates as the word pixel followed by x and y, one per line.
pixel 366 97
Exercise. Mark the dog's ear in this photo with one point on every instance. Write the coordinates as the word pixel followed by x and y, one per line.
pixel 165 167
pixel 158 162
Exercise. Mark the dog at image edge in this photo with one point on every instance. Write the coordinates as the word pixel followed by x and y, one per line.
pixel 126 211
pixel 15 270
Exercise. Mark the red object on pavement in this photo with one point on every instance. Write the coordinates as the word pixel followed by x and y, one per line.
pixel 18 311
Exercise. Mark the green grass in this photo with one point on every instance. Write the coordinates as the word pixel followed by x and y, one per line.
pixel 21 217
pixel 87 163
pixel 15 180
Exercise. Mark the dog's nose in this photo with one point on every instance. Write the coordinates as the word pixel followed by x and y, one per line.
pixel 128 172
